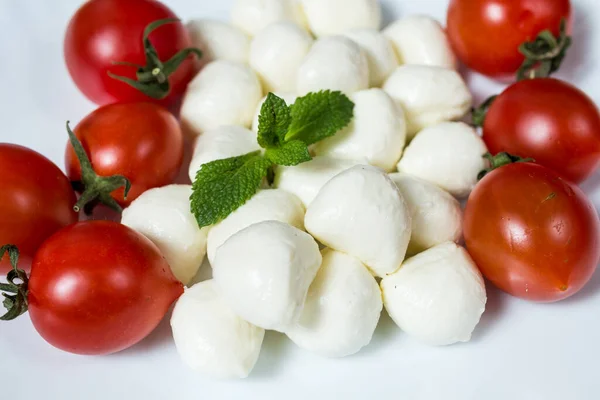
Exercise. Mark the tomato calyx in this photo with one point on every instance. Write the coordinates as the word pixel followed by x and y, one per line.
pixel 500 160
pixel 478 113
pixel 94 188
pixel 153 78
pixel 544 55
pixel 14 292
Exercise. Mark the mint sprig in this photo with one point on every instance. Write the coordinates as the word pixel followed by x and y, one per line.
pixel 285 132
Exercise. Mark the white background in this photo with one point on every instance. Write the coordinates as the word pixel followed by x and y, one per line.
pixel 519 351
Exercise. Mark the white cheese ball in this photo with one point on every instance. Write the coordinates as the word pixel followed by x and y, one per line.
pixel 276 53
pixel 362 213
pixel 163 215
pixel 219 41
pixel 288 97
pixel 428 95
pixel 332 17
pixel 223 93
pixel 306 179
pixel 449 155
pixel 379 51
pixel 335 63
pixel 377 132
pixel 436 215
pixel 266 205
pixel 342 308
pixel 219 143
pixel 210 338
pixel 252 16
pixel 437 296
pixel 421 40
pixel 264 272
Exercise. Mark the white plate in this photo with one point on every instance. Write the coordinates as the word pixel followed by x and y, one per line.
pixel 519 351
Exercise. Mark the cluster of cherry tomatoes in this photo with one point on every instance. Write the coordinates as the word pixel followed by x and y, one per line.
pixel 97 287
pixel 530 229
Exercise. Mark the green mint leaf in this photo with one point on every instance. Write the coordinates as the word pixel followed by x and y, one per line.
pixel 273 122
pixel 317 116
pixel 291 153
pixel 222 186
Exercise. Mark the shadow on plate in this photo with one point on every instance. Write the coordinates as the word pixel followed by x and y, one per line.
pixel 273 355
pixel 385 333
pixel 493 311
pixel 389 13
pixel 577 65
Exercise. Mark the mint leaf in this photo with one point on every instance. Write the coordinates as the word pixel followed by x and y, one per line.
pixel 317 116
pixel 273 122
pixel 291 153
pixel 222 186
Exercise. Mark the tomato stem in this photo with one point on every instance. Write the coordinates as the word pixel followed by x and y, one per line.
pixel 95 188
pixel 153 78
pixel 15 293
pixel 478 113
pixel 544 55
pixel 500 160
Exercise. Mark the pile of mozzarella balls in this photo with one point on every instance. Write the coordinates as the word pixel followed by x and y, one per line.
pixel 318 256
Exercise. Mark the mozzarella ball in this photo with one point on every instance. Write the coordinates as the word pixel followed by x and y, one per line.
pixel 266 205
pixel 306 179
pixel 421 40
pixel 362 213
pixel 219 143
pixel 223 93
pixel 288 97
pixel 335 63
pixel 210 337
pixel 449 155
pixel 276 53
pixel 219 40
pixel 252 16
pixel 163 215
pixel 264 272
pixel 380 54
pixel 342 308
pixel 428 95
pixel 436 215
pixel 332 17
pixel 437 296
pixel 377 132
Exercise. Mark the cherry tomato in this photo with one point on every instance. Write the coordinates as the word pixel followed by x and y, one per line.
pixel 103 32
pixel 141 141
pixel 98 287
pixel 532 234
pixel 550 121
pixel 36 200
pixel 486 34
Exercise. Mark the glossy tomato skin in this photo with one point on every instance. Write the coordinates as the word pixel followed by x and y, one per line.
pixel 99 287
pixel 550 121
pixel 532 234
pixel 141 141
pixel 486 34
pixel 104 31
pixel 36 200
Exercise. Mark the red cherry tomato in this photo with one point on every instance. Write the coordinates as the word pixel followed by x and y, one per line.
pixel 141 141
pixel 99 287
pixel 550 121
pixel 486 34
pixel 532 234
pixel 36 200
pixel 103 32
